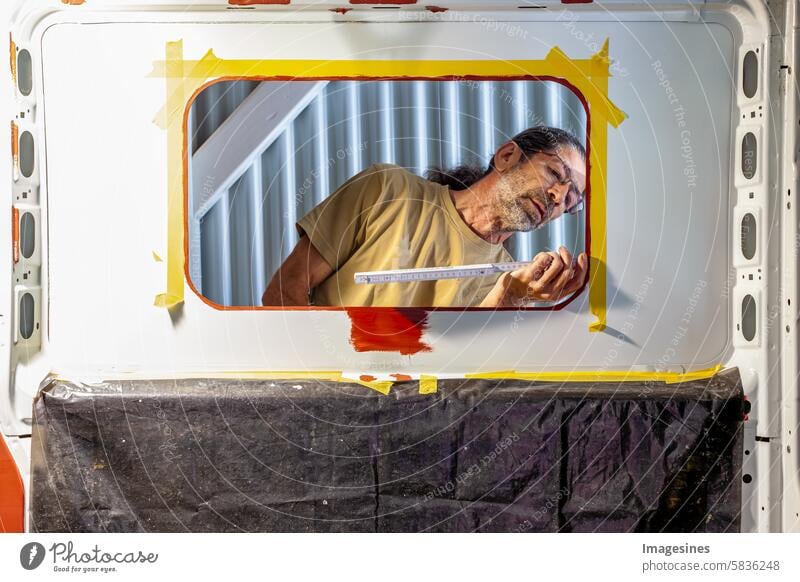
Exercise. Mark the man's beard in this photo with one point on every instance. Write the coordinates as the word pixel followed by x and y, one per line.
pixel 514 204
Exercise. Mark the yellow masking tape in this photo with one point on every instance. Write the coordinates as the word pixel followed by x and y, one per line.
pixel 186 88
pixel 382 386
pixel 174 118
pixel 588 76
pixel 599 376
pixel 428 384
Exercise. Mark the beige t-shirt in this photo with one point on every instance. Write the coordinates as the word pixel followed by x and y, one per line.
pixel 388 218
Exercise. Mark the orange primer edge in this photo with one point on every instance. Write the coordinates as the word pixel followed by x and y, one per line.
pixel 12 496
pixel 15 144
pixel 388 329
pixel 15 233
pixel 13 57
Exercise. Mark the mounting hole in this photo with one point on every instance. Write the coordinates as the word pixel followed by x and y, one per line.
pixel 750 74
pixel 26 154
pixel 748 317
pixel 749 152
pixel 749 237
pixel 24 72
pixel 27 235
pixel 26 316
pixel 747 478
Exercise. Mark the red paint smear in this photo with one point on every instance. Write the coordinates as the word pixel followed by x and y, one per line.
pixel 340 10
pixel 435 9
pixel 256 2
pixel 401 377
pixel 383 1
pixel 388 329
pixel 366 378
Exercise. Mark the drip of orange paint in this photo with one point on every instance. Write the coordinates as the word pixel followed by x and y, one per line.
pixel 367 378
pixel 401 377
pixel 388 329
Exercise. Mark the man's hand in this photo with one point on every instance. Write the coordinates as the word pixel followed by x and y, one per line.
pixel 548 277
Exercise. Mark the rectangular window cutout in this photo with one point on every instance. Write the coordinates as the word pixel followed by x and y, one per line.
pixel 379 175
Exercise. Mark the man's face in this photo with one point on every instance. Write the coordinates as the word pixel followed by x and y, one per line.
pixel 540 188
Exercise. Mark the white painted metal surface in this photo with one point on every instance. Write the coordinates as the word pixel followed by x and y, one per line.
pixel 788 442
pixel 645 179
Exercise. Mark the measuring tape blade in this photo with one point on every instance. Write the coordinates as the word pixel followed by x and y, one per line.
pixel 435 273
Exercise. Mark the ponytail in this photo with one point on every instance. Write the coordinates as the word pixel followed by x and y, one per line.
pixel 531 141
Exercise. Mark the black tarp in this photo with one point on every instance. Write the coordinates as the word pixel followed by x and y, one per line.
pixel 301 455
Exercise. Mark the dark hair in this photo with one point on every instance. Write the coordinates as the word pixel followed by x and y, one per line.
pixel 531 141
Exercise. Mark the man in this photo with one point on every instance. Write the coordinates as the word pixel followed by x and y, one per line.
pixel 388 218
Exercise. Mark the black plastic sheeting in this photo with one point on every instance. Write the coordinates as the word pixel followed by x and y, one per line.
pixel 300 455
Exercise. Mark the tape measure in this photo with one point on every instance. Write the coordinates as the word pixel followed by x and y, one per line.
pixel 435 273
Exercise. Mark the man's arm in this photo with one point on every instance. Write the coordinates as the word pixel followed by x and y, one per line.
pixel 293 282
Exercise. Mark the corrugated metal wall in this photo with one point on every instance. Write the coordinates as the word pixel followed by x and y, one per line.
pixel 415 124
pixel 214 105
